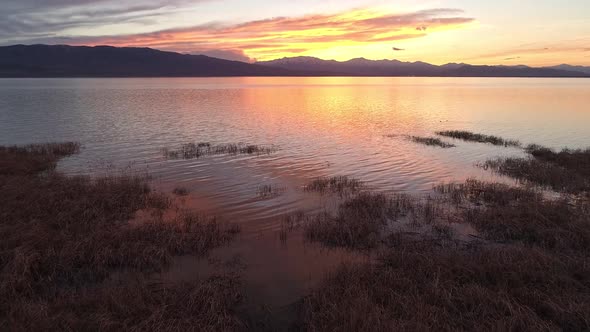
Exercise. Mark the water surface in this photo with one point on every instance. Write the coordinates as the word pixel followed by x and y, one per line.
pixel 321 127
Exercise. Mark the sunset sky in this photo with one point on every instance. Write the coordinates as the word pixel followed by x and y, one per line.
pixel 538 33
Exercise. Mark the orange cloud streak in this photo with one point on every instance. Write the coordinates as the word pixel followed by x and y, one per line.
pixel 284 36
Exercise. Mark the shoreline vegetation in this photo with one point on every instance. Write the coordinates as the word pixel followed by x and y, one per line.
pixel 525 268
pixel 431 141
pixel 63 238
pixel 474 255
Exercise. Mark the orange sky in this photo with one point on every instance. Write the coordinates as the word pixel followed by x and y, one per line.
pixel 543 32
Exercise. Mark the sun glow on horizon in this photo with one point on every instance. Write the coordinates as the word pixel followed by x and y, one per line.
pixel 542 33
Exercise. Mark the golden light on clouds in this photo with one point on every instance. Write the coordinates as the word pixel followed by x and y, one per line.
pixel 293 36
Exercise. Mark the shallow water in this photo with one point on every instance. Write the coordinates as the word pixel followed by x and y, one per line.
pixel 321 127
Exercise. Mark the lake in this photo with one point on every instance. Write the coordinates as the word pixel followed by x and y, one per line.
pixel 318 126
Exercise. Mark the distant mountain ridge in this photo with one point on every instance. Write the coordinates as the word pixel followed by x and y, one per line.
pixel 364 67
pixel 108 61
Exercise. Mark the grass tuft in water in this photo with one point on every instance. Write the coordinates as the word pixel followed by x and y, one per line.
pixel 198 150
pixel 270 191
pixel 341 185
pixel 431 141
pixel 480 138
pixel 564 171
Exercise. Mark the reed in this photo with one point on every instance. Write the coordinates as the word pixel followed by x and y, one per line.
pixel 431 141
pixel 480 138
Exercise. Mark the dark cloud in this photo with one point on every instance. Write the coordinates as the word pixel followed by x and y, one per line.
pixel 512 58
pixel 398 49
pixel 30 20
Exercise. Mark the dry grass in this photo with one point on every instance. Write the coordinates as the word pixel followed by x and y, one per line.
pixel 198 150
pixel 480 138
pixel 63 234
pixel 34 158
pixel 134 305
pixel 358 223
pixel 342 185
pixel 431 141
pixel 565 171
pixel 422 287
pixel 531 272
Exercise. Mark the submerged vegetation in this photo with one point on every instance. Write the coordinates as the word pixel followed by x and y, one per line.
pixel 342 185
pixel 480 138
pixel 431 141
pixel 63 238
pixel 198 150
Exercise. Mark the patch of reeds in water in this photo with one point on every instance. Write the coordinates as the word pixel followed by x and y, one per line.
pixel 266 191
pixel 431 141
pixel 342 185
pixel 564 171
pixel 480 138
pixel 198 150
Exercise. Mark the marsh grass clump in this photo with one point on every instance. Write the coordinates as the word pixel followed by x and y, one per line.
pixel 507 214
pixel 269 191
pixel 431 141
pixel 419 286
pixel 34 158
pixel 358 223
pixel 487 192
pixel 198 150
pixel 480 138
pixel 71 233
pixel 528 270
pixel 564 171
pixel 342 185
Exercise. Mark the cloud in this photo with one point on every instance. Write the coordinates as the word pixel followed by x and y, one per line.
pixel 512 58
pixel 282 36
pixel 29 20
pixel 398 49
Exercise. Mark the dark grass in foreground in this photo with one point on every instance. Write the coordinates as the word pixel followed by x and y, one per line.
pixel 531 272
pixel 422 287
pixel 480 138
pixel 62 237
pixel 198 150
pixel 180 191
pixel 270 191
pixel 342 185
pixel 431 141
pixel 358 223
pixel 565 171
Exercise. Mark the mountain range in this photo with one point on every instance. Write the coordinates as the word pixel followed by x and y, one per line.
pixel 108 61
pixel 364 67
